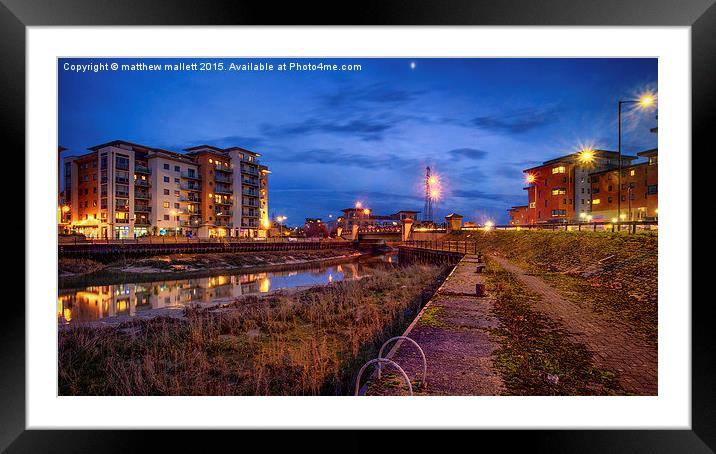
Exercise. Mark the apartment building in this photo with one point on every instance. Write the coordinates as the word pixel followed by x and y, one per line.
pixel 125 190
pixel 639 191
pixel 518 215
pixel 559 190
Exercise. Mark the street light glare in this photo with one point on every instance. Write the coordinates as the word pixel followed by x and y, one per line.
pixel 433 180
pixel 586 155
pixel 646 100
pixel 530 178
pixel 358 204
pixel 434 193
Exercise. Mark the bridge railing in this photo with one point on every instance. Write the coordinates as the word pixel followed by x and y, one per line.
pixel 465 247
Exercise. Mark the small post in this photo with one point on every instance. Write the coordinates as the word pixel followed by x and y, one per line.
pixel 480 289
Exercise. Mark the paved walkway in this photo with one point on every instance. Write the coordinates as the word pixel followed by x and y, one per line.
pixel 453 331
pixel 613 346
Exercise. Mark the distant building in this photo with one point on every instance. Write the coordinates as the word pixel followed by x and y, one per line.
pixel 639 191
pixel 518 215
pixel 364 217
pixel 122 189
pixel 560 188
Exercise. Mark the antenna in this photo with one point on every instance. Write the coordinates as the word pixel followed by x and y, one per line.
pixel 428 210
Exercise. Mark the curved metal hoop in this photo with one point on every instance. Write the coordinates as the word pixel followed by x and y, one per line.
pixel 425 361
pixel 383 360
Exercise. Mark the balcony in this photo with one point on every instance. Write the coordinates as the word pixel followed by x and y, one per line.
pixel 190 187
pixel 250 181
pixel 222 190
pixel 142 209
pixel 249 170
pixel 223 224
pixel 250 225
pixel 224 213
pixel 141 222
pixel 189 199
pixel 138 168
pixel 141 183
pixel 250 192
pixel 124 208
pixel 190 176
pixel 250 203
pixel 191 223
pixel 249 215
pixel 222 178
pixel 223 168
pixel 139 195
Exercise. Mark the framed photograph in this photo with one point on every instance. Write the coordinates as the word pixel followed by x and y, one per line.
pixel 423 216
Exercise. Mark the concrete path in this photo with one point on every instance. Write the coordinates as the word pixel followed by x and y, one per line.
pixel 613 346
pixel 453 331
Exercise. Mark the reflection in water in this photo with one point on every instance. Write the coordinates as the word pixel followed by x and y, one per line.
pixel 102 301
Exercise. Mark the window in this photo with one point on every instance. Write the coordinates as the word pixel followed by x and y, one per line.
pixel 651 189
pixel 166 217
pixel 532 204
pixel 165 204
pixel 177 193
pixel 559 169
pixel 596 202
pixel 559 212
pixel 94 177
pixel 166 166
pixel 582 190
pixel 177 169
pixel 166 179
pixel 582 202
pixel 559 191
pixel 176 205
pixel 609 199
pixel 632 172
pixel 176 180
pixel 166 192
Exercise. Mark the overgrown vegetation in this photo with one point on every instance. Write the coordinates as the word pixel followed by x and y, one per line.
pixel 612 273
pixel 288 343
pixel 536 356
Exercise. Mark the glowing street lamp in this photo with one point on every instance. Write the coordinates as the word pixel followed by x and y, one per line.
pixel 531 179
pixel 645 101
pixel 359 204
pixel 586 156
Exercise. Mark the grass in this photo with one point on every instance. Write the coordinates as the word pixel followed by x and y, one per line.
pixel 306 342
pixel 615 274
pixel 536 356
pixel 431 317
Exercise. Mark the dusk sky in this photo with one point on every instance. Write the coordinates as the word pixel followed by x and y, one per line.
pixel 331 138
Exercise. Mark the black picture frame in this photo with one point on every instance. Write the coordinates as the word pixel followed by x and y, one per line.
pixel 700 15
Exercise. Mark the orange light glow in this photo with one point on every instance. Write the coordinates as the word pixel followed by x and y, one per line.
pixel 530 178
pixel 366 211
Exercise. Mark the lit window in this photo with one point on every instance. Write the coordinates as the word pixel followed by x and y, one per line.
pixel 632 172
pixel 596 202
pixel 211 161
pixel 559 169
pixel 166 204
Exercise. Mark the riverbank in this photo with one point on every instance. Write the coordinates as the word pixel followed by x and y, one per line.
pixel 614 274
pixel 288 343
pixel 82 272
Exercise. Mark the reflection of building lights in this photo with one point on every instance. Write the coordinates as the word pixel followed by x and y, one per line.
pixel 614 220
pixel 330 278
pixel 622 216
pixel 265 285
pixel 366 211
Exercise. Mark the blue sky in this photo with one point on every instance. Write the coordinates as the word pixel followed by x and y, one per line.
pixel 331 138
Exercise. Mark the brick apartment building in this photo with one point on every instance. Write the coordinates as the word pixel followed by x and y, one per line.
pixel 122 189
pixel 583 186
pixel 639 192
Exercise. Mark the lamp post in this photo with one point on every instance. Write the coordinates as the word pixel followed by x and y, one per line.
pixel 530 178
pixel 644 101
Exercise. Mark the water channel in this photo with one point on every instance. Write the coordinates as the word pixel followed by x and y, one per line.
pixel 119 302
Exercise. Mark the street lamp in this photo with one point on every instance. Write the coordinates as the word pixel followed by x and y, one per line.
pixel 645 101
pixel 530 178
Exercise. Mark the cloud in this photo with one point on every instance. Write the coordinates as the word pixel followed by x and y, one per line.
pixel 468 153
pixel 342 158
pixel 378 93
pixel 517 121
pixel 478 194
pixel 365 129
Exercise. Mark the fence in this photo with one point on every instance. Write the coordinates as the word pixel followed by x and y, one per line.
pixel 595 226
pixel 110 249
pixel 462 247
